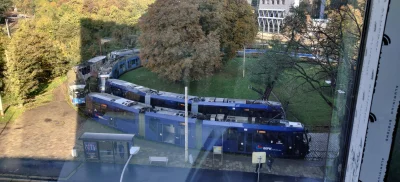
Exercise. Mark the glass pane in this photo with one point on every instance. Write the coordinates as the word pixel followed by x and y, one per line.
pixel 274 77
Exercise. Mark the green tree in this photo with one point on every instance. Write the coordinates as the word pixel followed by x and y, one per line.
pixel 266 71
pixel 3 44
pixel 332 46
pixel 31 61
pixel 5 5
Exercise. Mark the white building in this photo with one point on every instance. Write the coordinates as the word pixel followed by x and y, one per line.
pixel 272 12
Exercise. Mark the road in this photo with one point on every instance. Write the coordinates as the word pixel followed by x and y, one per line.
pixel 109 172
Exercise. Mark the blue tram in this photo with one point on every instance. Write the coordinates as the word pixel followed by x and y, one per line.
pixel 261 111
pixel 281 138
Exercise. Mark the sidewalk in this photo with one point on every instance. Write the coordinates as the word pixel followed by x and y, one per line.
pixel 204 159
pixel 111 172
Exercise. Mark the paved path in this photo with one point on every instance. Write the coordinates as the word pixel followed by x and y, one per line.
pixel 48 131
pixel 139 173
pixel 204 159
pixel 53 170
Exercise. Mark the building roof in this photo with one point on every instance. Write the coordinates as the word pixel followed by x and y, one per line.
pixel 106 136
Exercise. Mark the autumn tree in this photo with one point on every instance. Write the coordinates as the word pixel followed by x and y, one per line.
pixel 240 27
pixel 188 40
pixel 174 44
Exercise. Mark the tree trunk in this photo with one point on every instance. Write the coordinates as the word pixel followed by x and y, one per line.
pixel 268 90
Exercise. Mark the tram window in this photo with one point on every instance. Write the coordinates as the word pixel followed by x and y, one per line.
pixel 215 134
pixel 210 109
pixel 85 70
pixel 201 109
pixel 273 137
pixel 121 66
pixel 212 134
pixel 132 96
pixel 231 134
pixel 153 124
pixel 122 114
pixel 98 109
pixel 305 138
pixel 281 138
pixel 142 100
pixel 259 138
pixel 298 137
pixel 223 110
pixel 116 91
pixel 157 102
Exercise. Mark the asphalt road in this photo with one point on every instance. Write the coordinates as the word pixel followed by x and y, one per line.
pixel 108 172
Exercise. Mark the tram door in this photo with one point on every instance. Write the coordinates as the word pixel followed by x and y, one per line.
pixel 160 131
pixel 180 136
pixel 240 141
pixel 249 142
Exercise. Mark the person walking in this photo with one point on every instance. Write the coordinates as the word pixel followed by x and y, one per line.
pixel 258 167
pixel 121 150
pixel 270 162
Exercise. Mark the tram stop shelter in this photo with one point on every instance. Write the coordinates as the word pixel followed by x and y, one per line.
pixel 106 146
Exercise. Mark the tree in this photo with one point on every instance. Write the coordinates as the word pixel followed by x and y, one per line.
pixel 32 60
pixel 331 48
pixel 175 46
pixel 3 44
pixel 240 27
pixel 266 70
pixel 5 5
pixel 191 47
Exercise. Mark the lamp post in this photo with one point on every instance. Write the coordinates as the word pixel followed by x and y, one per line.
pixel 132 151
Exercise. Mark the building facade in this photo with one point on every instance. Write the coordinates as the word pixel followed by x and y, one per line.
pixel 272 12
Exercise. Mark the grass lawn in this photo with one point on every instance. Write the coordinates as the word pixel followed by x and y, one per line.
pixel 308 108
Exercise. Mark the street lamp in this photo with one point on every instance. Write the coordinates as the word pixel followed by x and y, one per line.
pixel 132 151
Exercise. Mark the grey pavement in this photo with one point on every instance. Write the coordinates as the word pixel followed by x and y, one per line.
pixel 204 159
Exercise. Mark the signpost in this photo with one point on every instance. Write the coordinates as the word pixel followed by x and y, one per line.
pixel 186 125
pixel 218 150
pixel 91 150
pixel 258 158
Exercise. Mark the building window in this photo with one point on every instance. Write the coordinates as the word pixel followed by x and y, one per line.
pixel 277 1
pixel 263 1
pixel 273 1
pixel 283 1
pixel 267 1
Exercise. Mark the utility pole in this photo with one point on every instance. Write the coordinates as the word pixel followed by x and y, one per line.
pixel 8 29
pixel 186 125
pixel 244 59
pixel 1 107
